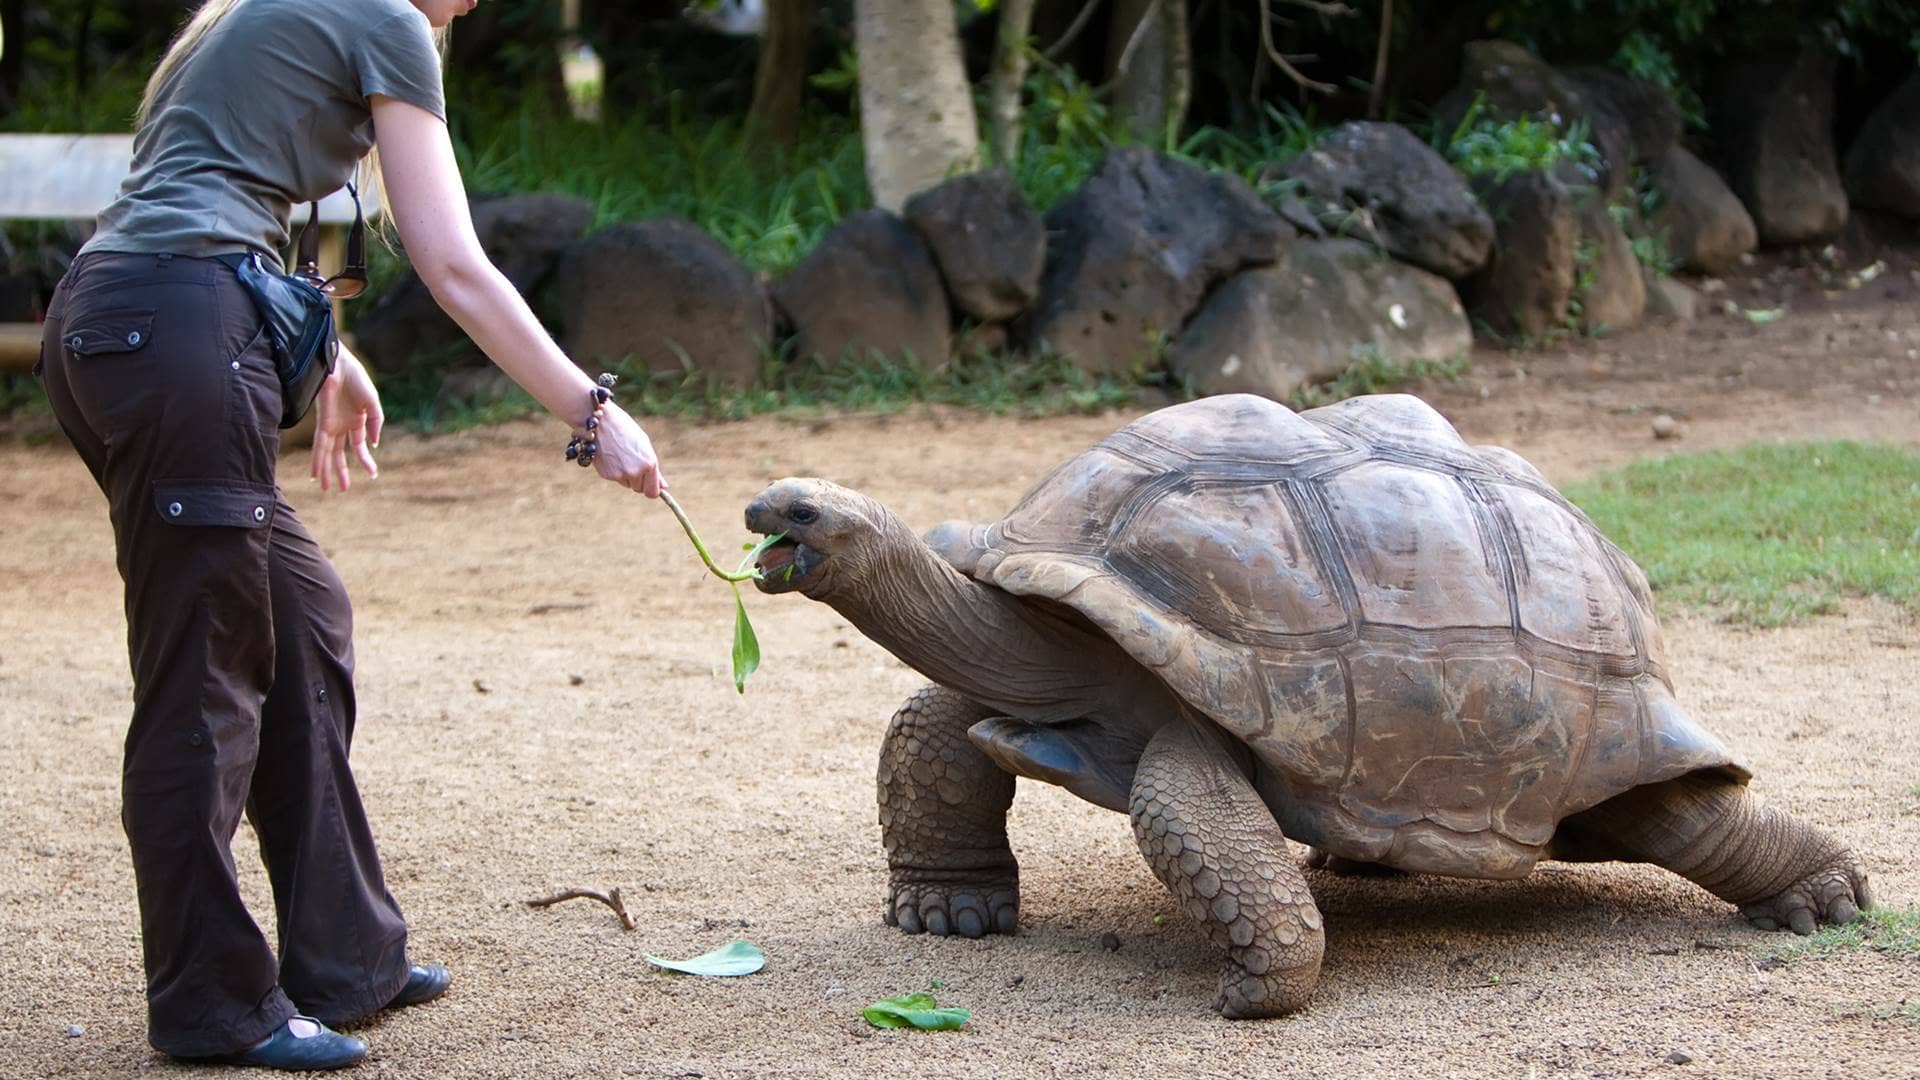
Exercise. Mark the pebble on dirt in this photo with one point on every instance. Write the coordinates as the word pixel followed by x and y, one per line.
pixel 1679 1057
pixel 1665 427
pixel 1110 941
pixel 74 1031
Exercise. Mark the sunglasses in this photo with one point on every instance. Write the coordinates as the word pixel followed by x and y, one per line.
pixel 351 281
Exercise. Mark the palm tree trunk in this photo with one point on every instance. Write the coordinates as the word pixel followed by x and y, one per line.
pixel 916 108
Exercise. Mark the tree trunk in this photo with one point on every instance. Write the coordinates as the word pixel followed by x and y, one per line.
pixel 1149 67
pixel 916 109
pixel 1010 58
pixel 780 77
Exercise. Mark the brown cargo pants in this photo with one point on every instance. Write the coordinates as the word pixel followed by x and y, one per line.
pixel 239 632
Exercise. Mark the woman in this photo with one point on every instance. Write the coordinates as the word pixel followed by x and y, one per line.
pixel 161 373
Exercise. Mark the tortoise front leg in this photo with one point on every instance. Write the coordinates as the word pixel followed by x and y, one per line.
pixel 943 820
pixel 1213 842
pixel 1783 872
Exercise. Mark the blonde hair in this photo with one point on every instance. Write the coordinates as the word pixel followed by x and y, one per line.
pixel 198 26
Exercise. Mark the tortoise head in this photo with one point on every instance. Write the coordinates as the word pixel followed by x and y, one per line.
pixel 833 536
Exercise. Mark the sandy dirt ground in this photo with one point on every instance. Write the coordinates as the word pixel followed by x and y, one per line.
pixel 546 704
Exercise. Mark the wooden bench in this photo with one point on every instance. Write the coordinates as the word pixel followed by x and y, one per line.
pixel 74 177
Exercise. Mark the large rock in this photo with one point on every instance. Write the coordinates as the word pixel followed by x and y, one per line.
pixel 1669 300
pixel 1706 225
pixel 1524 288
pixel 1384 184
pixel 522 234
pixel 1275 329
pixel 870 287
pixel 667 294
pixel 1609 291
pixel 990 245
pixel 1651 118
pixel 1135 250
pixel 1883 164
pixel 1775 128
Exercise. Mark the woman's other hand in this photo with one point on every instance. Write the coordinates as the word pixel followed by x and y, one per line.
pixel 626 454
pixel 347 417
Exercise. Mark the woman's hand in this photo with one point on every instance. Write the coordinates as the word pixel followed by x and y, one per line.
pixel 347 417
pixel 626 455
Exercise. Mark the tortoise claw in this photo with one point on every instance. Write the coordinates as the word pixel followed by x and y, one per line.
pixel 945 910
pixel 1834 895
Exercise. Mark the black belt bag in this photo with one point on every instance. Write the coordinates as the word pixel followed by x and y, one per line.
pixel 299 320
pixel 298 310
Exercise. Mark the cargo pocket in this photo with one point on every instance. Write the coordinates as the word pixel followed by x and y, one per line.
pixel 111 332
pixel 217 503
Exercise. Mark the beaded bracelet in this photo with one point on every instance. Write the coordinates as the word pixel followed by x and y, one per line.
pixel 582 448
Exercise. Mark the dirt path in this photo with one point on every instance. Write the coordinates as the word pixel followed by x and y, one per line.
pixel 545 703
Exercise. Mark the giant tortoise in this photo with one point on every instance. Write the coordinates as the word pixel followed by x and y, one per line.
pixel 1242 625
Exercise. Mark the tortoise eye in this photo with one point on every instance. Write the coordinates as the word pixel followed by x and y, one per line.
pixel 803 515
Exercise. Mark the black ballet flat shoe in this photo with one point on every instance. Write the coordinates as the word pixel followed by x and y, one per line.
pixel 424 983
pixel 291 1052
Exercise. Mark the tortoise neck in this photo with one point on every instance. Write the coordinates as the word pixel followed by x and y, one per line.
pixel 981 641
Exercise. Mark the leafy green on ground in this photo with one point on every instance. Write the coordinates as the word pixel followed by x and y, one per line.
pixel 1768 534
pixel 737 957
pixel 1893 931
pixel 916 1010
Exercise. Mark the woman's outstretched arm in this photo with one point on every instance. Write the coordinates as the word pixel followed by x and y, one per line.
pixel 428 204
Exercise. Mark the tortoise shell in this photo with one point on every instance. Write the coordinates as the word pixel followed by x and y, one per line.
pixel 1433 656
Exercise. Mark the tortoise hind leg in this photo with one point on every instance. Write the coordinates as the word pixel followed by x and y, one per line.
pixel 943 821
pixel 1215 845
pixel 1781 871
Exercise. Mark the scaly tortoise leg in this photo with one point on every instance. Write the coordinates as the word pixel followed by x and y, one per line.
pixel 1781 871
pixel 943 820
pixel 1215 845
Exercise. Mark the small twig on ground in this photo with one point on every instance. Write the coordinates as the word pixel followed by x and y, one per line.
pixel 611 898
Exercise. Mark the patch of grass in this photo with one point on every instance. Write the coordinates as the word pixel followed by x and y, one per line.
pixel 1903 1010
pixel 1371 373
pixel 1893 931
pixel 769 209
pixel 1768 535
pixel 993 382
pixel 998 383
pixel 1482 146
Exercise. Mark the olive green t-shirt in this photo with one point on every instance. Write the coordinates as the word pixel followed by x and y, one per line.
pixel 270 109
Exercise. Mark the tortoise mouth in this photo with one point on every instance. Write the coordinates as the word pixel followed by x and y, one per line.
pixel 784 566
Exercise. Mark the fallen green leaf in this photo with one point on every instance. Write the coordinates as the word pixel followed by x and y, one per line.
pixel 737 957
pixel 914 1010
pixel 1763 315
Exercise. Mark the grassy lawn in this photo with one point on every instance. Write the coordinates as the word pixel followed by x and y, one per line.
pixel 1768 534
